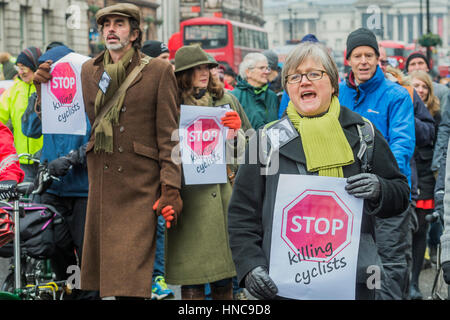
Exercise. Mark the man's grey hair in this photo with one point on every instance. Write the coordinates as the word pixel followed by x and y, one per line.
pixel 249 62
pixel 319 53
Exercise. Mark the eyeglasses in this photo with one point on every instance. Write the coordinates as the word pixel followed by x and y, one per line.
pixel 23 69
pixel 313 75
pixel 263 68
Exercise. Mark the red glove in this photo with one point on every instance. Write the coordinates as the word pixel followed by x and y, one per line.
pixel 167 213
pixel 169 205
pixel 232 121
pixel 42 75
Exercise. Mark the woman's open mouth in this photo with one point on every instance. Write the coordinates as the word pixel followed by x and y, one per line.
pixel 308 95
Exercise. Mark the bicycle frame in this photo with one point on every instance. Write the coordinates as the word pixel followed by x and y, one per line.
pixel 25 189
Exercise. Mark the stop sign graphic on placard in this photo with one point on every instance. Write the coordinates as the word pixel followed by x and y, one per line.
pixel 203 135
pixel 63 84
pixel 317 225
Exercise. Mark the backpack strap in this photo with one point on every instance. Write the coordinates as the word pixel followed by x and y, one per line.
pixel 367 138
pixel 121 91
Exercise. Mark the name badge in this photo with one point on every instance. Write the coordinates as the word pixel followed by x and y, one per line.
pixel 103 84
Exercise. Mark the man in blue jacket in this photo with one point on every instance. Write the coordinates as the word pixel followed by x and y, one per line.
pixel 66 157
pixel 389 107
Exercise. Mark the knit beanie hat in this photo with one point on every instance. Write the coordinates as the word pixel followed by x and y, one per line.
pixel 272 59
pixel 29 57
pixel 309 37
pixel 361 37
pixel 154 48
pixel 416 54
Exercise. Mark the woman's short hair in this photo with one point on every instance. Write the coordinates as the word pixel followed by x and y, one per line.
pixel 250 61
pixel 432 102
pixel 319 53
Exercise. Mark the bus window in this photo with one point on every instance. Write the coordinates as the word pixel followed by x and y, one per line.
pixel 208 36
pixel 394 52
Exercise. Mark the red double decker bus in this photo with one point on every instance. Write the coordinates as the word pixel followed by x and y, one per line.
pixel 226 40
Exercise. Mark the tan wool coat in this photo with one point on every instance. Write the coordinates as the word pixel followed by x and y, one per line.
pixel 119 241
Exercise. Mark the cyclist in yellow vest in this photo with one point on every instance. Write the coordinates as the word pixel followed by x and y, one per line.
pixel 13 103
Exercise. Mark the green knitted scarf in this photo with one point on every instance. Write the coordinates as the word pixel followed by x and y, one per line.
pixel 117 72
pixel 324 143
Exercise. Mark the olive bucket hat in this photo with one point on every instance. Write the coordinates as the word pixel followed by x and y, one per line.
pixel 190 56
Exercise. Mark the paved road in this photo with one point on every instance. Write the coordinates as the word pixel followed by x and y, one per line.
pixel 425 281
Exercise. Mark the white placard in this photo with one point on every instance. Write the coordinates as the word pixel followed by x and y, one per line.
pixel 315 238
pixel 62 97
pixel 5 85
pixel 202 144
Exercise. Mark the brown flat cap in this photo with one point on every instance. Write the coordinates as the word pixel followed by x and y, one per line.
pixel 120 9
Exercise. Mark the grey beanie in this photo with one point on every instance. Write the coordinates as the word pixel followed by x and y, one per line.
pixel 272 59
pixel 361 37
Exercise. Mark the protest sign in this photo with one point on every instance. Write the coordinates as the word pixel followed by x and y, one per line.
pixel 5 84
pixel 62 97
pixel 202 144
pixel 315 238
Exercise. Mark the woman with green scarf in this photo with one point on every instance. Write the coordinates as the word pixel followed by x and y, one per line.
pixel 197 249
pixel 322 139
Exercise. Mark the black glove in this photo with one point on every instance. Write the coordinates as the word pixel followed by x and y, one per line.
pixel 8 189
pixel 59 166
pixel 260 285
pixel 446 271
pixel 78 156
pixel 364 185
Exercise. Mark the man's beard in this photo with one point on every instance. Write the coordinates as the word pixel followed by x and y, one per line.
pixel 118 46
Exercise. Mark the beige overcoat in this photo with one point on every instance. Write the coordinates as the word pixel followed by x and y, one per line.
pixel 119 242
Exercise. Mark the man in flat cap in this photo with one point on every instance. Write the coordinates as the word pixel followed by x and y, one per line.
pixel 128 156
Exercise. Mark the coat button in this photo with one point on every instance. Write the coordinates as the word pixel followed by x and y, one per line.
pixel 105 166
pixel 121 129
pixel 214 194
pixel 120 149
pixel 123 109
pixel 120 169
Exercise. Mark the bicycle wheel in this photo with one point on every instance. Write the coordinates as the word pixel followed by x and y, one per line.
pixel 440 290
pixel 8 283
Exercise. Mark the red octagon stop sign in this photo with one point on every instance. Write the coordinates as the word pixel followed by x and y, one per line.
pixel 317 225
pixel 63 85
pixel 203 135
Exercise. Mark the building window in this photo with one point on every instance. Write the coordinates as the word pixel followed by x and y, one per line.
pixel 410 28
pixel 2 27
pixel 400 27
pixel 45 23
pixel 23 27
pixel 390 30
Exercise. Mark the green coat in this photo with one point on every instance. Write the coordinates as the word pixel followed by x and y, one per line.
pixel 260 106
pixel 197 249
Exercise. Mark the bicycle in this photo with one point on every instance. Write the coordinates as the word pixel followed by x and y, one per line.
pixel 30 278
pixel 440 290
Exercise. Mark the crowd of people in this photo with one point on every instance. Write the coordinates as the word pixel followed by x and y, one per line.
pixel 135 224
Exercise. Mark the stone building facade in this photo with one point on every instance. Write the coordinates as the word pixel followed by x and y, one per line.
pixel 25 23
pixel 331 21
pixel 247 11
